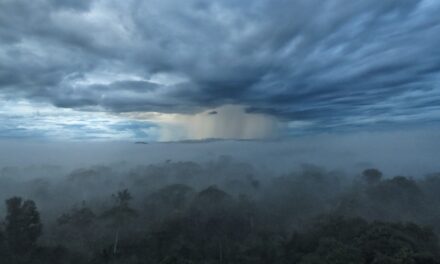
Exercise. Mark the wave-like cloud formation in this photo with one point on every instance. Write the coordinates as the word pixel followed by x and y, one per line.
pixel 329 64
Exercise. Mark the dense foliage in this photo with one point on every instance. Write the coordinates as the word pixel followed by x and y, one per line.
pixel 221 212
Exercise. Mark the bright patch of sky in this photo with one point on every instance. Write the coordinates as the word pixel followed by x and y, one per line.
pixel 29 120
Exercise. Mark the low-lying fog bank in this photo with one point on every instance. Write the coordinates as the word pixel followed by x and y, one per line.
pixel 225 208
pixel 413 152
pixel 278 201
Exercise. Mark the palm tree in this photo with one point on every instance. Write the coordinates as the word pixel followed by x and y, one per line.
pixel 120 213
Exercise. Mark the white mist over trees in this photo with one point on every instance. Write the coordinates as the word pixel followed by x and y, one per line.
pixel 409 152
pixel 218 211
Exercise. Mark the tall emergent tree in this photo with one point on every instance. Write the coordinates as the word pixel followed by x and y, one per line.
pixel 120 213
pixel 22 225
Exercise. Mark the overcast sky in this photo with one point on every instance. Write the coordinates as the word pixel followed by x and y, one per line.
pixel 172 69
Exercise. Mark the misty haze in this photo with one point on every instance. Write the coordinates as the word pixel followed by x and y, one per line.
pixel 219 132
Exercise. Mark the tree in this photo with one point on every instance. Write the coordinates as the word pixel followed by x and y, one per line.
pixel 120 213
pixel 22 225
pixel 168 201
pixel 3 247
pixel 81 218
pixel 76 228
pixel 341 240
pixel 372 176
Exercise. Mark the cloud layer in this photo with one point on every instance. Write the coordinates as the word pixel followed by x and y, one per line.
pixel 318 64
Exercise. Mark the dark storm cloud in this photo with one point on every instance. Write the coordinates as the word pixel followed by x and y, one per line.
pixel 333 63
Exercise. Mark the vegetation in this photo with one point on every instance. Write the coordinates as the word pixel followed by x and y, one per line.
pixel 222 212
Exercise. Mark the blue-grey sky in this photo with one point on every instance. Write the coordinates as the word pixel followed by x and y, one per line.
pixel 172 69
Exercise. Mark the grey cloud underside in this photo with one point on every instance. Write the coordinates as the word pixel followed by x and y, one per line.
pixel 327 62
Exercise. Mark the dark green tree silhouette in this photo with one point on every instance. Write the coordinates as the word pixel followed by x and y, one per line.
pixel 76 228
pixel 120 213
pixel 80 218
pixel 3 246
pixel 372 176
pixel 22 225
